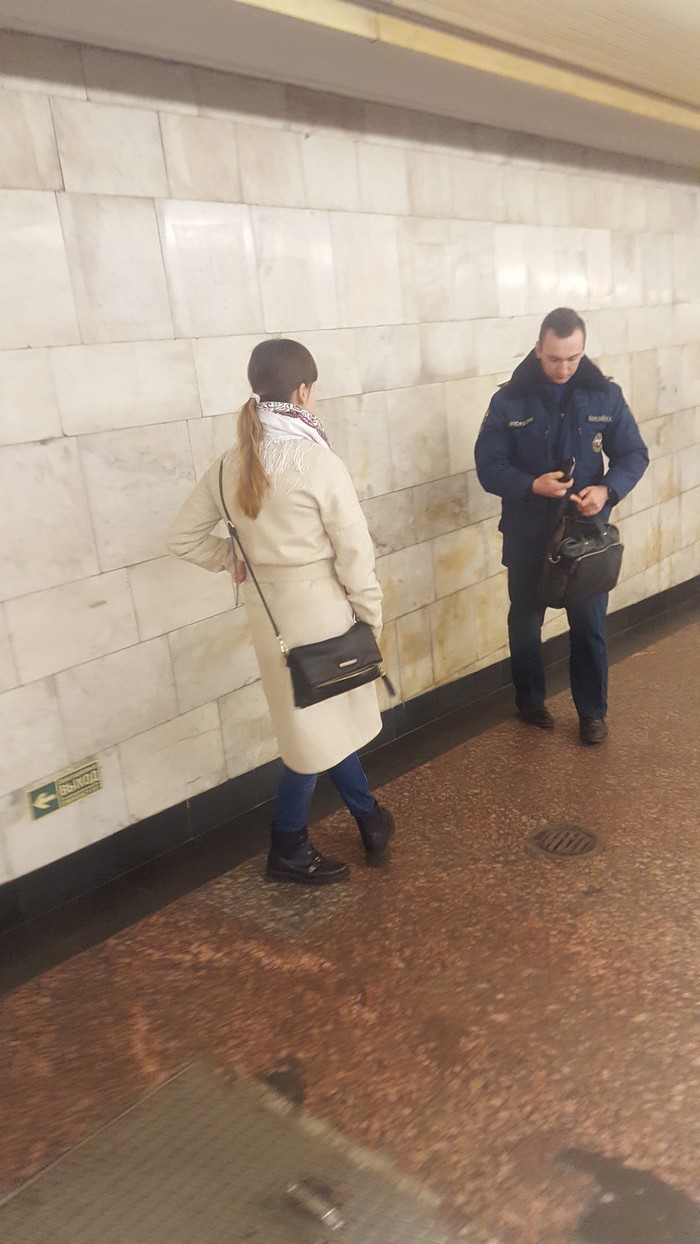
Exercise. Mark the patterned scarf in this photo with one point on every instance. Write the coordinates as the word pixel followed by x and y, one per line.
pixel 283 421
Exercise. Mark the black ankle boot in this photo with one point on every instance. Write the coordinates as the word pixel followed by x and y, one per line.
pixel 376 828
pixel 300 861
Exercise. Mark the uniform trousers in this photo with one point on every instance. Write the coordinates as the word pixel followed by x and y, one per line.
pixel 588 649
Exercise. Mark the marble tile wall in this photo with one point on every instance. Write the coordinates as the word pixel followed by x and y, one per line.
pixel 156 220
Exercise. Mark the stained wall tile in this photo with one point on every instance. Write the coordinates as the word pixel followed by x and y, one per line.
pixel 28 408
pixel 174 761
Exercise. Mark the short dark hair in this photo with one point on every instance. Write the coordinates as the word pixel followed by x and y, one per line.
pixel 563 322
pixel 278 366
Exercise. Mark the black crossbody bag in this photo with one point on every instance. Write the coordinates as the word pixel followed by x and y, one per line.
pixel 329 667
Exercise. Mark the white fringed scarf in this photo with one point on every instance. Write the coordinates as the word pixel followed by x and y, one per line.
pixel 286 429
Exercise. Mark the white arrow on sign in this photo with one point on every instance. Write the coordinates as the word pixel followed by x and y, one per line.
pixel 44 801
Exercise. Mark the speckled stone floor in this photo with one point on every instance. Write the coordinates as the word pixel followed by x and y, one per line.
pixel 473 1012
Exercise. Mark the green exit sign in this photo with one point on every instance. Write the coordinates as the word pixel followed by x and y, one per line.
pixel 63 790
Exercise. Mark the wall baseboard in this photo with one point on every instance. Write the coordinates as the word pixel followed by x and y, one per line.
pixel 76 875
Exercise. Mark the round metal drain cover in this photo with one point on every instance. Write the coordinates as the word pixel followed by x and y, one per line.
pixel 563 842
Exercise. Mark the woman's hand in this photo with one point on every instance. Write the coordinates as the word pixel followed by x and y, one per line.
pixel 239 572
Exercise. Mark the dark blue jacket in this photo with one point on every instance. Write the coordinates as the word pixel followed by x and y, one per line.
pixel 525 434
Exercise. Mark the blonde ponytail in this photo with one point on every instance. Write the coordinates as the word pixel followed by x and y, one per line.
pixel 253 481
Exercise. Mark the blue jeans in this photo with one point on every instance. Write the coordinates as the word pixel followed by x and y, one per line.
pixel 295 792
pixel 588 650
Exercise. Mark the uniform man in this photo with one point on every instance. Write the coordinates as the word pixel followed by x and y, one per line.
pixel 557 406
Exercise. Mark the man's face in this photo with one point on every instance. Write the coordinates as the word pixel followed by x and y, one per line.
pixel 560 356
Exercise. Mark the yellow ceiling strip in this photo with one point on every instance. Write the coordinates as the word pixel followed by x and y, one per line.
pixel 351 19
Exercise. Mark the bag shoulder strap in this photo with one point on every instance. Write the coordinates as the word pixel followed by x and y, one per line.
pixel 236 540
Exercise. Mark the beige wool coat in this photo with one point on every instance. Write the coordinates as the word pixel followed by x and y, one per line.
pixel 313 557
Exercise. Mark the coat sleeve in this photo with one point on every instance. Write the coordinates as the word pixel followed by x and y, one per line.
pixel 190 535
pixel 625 450
pixel 346 525
pixel 494 469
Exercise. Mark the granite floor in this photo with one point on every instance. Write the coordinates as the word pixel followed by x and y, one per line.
pixel 497 1024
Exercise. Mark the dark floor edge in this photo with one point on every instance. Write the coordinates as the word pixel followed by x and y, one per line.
pixel 52 913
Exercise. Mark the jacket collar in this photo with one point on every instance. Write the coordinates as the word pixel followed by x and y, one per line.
pixel 529 376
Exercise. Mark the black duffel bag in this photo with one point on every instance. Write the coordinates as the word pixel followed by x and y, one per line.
pixel 583 559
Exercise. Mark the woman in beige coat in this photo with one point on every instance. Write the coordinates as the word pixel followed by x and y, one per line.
pixel 306 538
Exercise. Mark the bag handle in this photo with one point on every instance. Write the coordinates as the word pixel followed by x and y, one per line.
pixel 236 540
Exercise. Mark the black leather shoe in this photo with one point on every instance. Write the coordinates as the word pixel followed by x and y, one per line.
pixel 592 730
pixel 537 717
pixel 376 829
pixel 307 866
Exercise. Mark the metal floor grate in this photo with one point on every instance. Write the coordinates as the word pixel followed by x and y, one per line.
pixel 204 1162
pixel 563 842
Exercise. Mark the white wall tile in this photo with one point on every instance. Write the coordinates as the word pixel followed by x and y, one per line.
pixel 429 184
pixel 116 697
pixel 415 654
pixel 500 344
pixel 458 560
pixel 389 356
pixel 453 634
pixel 474 292
pixel 28 409
pixel 330 172
pixel 138 81
pixel 418 434
pixel 237 98
pixel 8 670
pixel 541 258
pixel 628 270
pixel 116 268
pixel 658 268
pixel 690 517
pixel 221 364
pixel 335 352
pixel 271 166
pixel 477 189
pixel 520 194
pixel 136 480
pixel 28 156
pixel 247 730
pixel 48 66
pixel 491 615
pixel 383 176
pixel 686 267
pixel 366 259
pixel 361 438
pixel 104 387
pixel 426 277
pixel 511 270
pixel 467 403
pixel 572 254
pixel 109 150
pixel 36 300
pixel 33 844
pixel 201 156
pixel 407 580
pixel 390 521
pixel 295 269
pixel 169 593
pixel 210 262
pixel 553 198
pixel 30 713
pixel 209 438
pixel 212 658
pixel 599 256
pixel 447 350
pixel 173 762
pixel 613 331
pixel 45 531
pixel 89 619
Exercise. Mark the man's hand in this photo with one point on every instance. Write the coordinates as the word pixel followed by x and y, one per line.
pixel 552 484
pixel 239 572
pixel 591 500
